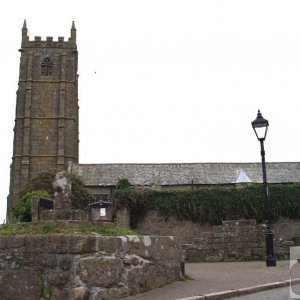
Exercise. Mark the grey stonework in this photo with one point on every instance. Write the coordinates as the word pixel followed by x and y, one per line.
pixel 62 191
pixel 186 231
pixel 59 208
pixel 63 214
pixel 123 218
pixel 46 124
pixel 85 267
pixel 233 240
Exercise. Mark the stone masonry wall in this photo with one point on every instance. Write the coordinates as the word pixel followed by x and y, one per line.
pixel 233 240
pixel 78 267
pixel 123 218
pixel 184 230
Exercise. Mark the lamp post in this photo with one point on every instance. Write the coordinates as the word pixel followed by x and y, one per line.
pixel 260 127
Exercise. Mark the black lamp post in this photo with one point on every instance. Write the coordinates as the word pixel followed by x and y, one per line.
pixel 260 127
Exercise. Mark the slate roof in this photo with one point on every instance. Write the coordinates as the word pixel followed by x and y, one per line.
pixel 184 173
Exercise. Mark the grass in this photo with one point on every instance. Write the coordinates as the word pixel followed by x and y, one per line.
pixel 64 228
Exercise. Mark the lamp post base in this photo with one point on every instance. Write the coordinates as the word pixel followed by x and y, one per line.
pixel 271 261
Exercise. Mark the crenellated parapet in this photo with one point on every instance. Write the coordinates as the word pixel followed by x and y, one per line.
pixel 49 42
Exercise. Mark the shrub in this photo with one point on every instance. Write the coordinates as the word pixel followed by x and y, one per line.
pixel 123 183
pixel 80 197
pixel 211 204
pixel 123 195
pixel 22 210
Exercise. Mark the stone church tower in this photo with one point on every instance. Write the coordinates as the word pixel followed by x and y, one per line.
pixel 46 124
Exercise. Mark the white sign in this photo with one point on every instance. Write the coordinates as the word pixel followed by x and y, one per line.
pixel 102 212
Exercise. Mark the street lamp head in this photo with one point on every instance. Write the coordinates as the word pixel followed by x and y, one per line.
pixel 260 127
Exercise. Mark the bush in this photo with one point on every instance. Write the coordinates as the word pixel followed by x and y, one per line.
pixel 22 210
pixel 80 197
pixel 123 195
pixel 43 181
pixel 211 204
pixel 123 183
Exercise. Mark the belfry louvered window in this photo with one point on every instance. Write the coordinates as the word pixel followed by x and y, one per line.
pixel 46 67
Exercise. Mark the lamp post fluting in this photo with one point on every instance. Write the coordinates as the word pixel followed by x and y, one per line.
pixel 260 127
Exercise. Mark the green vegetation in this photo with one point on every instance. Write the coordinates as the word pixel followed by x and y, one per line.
pixel 211 204
pixel 124 195
pixel 42 185
pixel 185 277
pixel 123 183
pixel 64 228
pixel 80 197
pixel 22 211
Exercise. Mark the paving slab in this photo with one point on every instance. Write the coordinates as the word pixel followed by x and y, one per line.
pixel 210 278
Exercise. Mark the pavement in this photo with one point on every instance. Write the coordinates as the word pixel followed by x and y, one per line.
pixel 221 281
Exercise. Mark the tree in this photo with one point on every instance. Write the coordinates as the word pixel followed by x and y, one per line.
pixel 80 197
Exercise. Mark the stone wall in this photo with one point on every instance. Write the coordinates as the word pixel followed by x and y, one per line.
pixel 85 266
pixel 233 240
pixel 184 230
pixel 287 229
pixel 123 218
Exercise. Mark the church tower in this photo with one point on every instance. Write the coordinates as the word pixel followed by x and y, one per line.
pixel 46 124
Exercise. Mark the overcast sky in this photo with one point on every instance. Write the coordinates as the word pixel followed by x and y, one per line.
pixel 167 81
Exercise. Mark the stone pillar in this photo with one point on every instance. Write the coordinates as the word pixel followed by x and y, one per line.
pixel 62 188
pixel 35 209
pixel 123 218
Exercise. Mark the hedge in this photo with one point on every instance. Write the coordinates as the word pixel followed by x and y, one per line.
pixel 211 204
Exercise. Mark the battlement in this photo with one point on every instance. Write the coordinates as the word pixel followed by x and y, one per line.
pixel 49 42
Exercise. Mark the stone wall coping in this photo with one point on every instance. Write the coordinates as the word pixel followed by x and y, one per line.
pixel 144 246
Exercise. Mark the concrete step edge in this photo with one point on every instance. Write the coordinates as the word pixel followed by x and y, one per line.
pixel 243 291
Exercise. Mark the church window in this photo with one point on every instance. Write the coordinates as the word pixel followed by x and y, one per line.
pixel 46 67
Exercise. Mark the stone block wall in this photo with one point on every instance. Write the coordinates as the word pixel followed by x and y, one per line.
pixel 184 230
pixel 63 214
pixel 287 229
pixel 123 218
pixel 78 267
pixel 234 240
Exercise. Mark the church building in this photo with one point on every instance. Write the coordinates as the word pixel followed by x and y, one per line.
pixel 46 134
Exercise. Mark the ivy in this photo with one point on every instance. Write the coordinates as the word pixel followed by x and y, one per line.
pixel 211 204
pixel 22 210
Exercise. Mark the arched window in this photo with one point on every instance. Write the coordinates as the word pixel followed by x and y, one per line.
pixel 46 67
